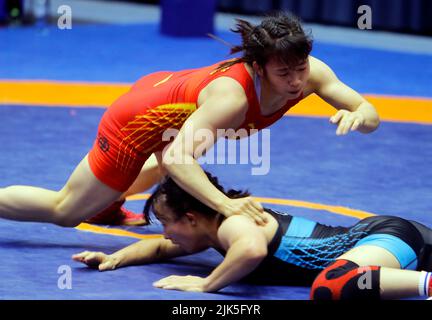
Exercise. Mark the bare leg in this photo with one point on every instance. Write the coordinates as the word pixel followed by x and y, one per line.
pixel 82 196
pixel 149 176
pixel 371 256
pixel 394 282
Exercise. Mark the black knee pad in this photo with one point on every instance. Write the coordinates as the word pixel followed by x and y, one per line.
pixel 345 280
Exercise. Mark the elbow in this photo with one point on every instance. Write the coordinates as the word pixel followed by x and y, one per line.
pixel 168 162
pixel 173 158
pixel 254 253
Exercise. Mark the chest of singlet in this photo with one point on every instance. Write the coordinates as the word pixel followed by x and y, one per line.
pixel 196 80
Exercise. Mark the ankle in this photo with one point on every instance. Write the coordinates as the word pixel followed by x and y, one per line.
pixel 425 284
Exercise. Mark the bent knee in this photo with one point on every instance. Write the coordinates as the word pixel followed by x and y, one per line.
pixel 66 219
pixel 64 216
pixel 345 280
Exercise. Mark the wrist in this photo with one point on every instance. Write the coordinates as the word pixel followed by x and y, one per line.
pixel 219 203
pixel 116 260
pixel 207 285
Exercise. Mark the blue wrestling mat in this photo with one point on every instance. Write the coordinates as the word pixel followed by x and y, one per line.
pixel 387 172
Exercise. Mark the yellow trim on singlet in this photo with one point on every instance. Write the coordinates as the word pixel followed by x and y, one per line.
pixel 163 81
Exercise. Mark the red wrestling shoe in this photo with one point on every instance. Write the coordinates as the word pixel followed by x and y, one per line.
pixel 117 215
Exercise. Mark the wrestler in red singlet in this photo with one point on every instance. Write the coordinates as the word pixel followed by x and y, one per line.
pixel 131 129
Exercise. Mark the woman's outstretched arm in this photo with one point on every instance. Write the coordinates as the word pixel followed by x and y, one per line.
pixel 142 252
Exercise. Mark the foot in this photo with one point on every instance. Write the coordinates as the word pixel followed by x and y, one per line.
pixel 117 215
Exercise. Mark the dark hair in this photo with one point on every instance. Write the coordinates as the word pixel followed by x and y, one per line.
pixel 280 35
pixel 180 202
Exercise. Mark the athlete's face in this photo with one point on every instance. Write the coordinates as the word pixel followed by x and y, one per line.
pixel 286 81
pixel 183 232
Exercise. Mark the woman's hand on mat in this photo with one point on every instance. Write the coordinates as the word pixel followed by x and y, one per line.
pixel 347 121
pixel 182 283
pixel 98 260
pixel 244 206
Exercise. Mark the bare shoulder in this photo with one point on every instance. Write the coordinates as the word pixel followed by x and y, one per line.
pixel 225 87
pixel 234 227
pixel 319 71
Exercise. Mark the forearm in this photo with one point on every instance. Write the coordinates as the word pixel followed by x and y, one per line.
pixel 189 175
pixel 237 264
pixel 142 252
pixel 371 118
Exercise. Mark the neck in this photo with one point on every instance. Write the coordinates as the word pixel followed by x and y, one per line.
pixel 270 100
pixel 211 231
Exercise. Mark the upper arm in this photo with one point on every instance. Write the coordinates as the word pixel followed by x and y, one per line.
pixel 328 86
pixel 242 230
pixel 224 107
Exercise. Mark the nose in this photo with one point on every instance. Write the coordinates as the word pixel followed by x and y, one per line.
pixel 295 82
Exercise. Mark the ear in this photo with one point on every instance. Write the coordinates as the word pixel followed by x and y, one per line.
pixel 192 218
pixel 257 68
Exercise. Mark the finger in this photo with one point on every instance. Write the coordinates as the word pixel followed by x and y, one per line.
pixel 80 255
pixel 348 126
pixel 258 217
pixel 170 287
pixel 89 257
pixel 163 281
pixel 108 265
pixel 261 214
pixel 356 125
pixel 158 284
pixel 76 257
pixel 161 284
pixel 341 130
pixel 92 259
pixel 257 205
pixel 337 117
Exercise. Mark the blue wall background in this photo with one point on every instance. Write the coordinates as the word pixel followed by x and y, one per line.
pixel 414 16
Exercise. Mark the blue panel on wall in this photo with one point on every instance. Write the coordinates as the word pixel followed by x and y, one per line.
pixel 310 10
pixel 186 18
pixel 3 14
pixel 261 6
pixel 392 15
pixel 339 11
